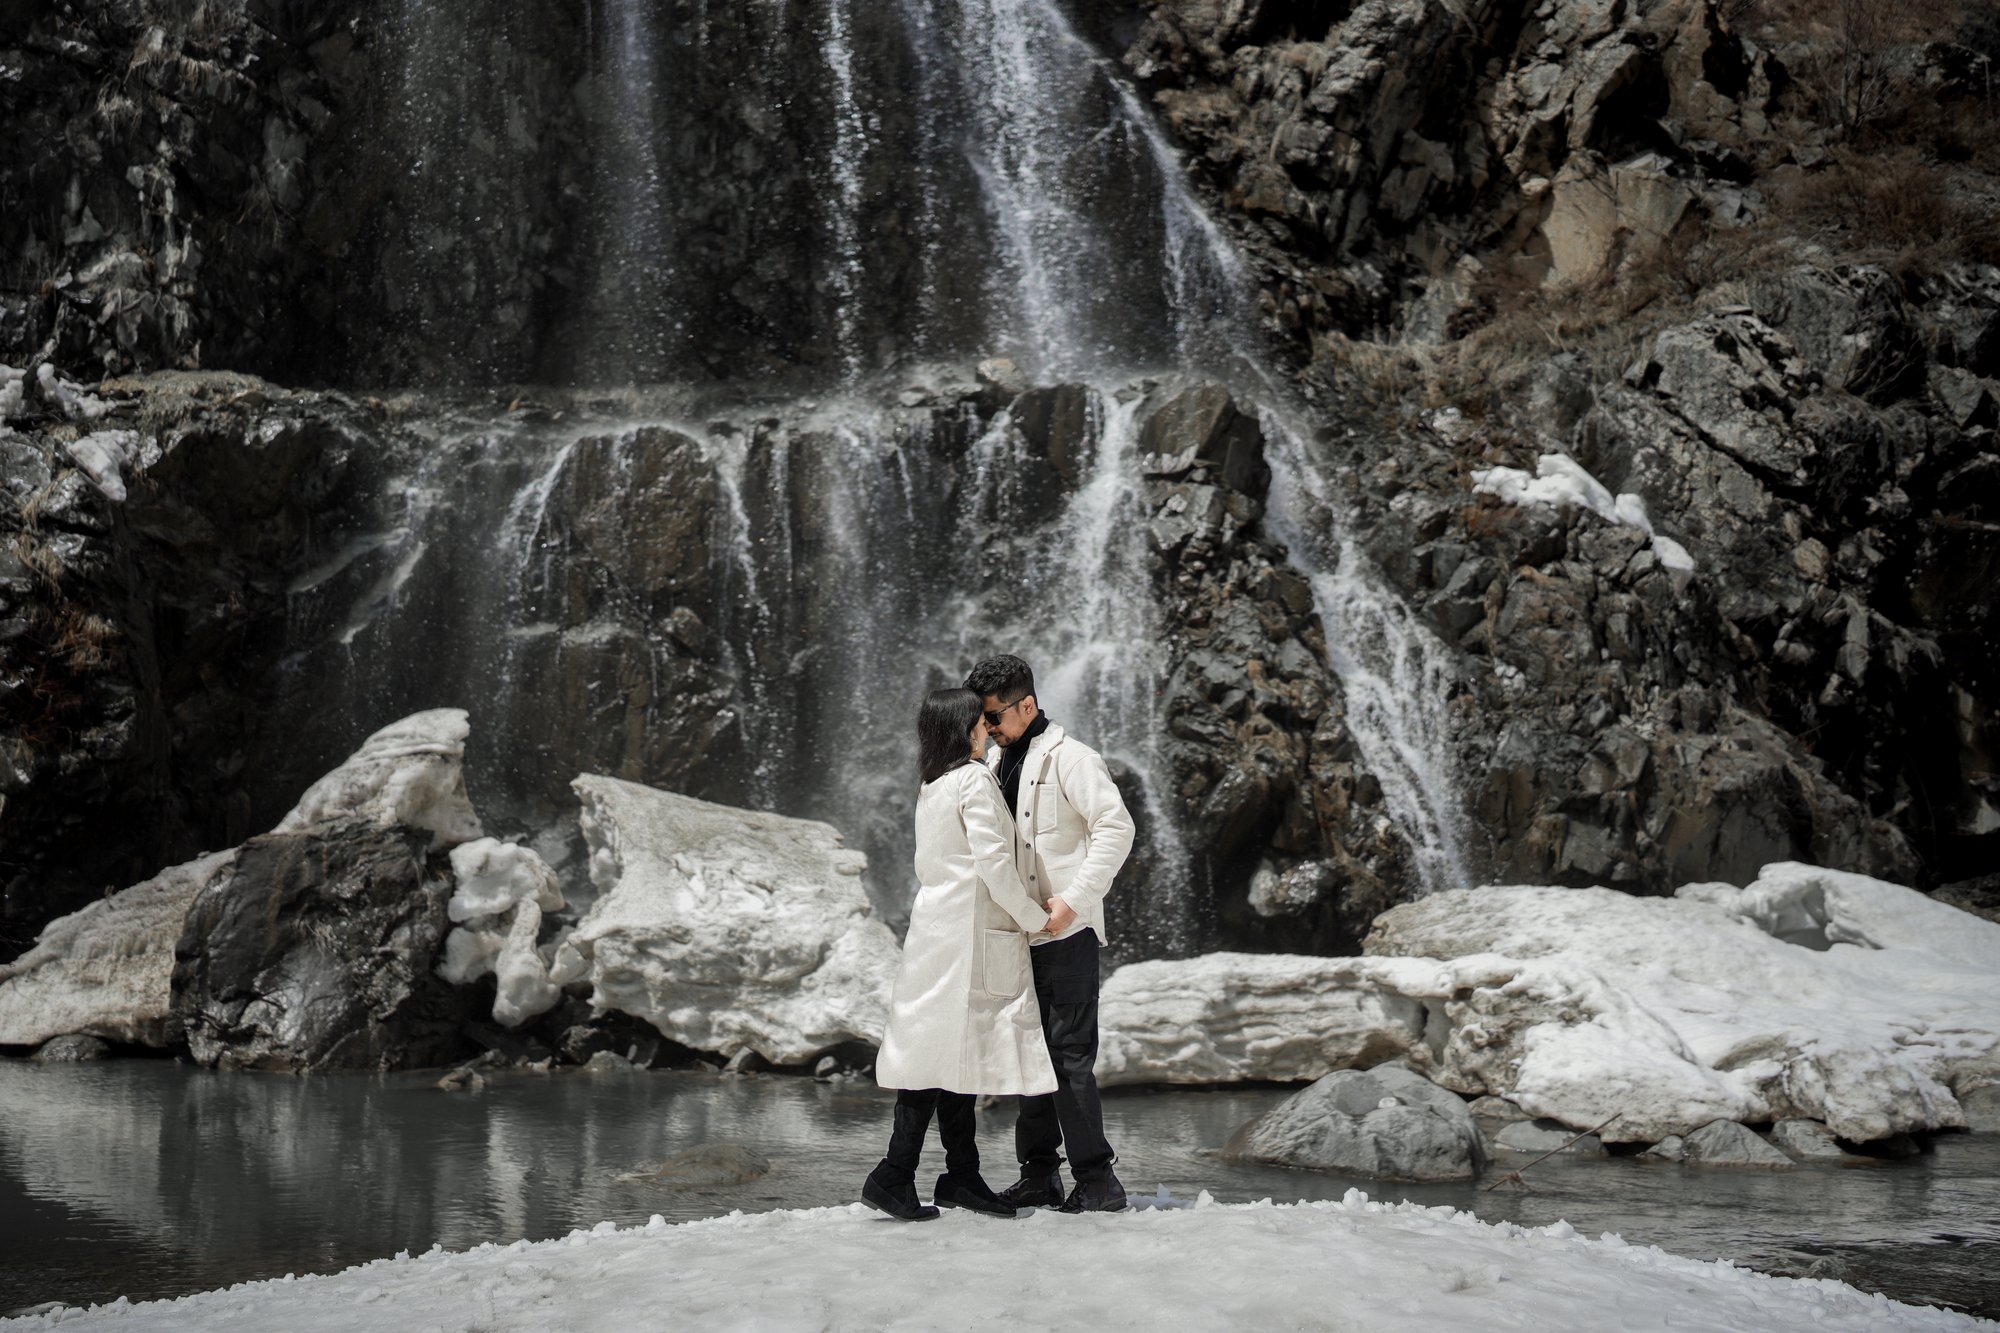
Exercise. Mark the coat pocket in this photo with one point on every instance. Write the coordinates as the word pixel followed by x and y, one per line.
pixel 1003 962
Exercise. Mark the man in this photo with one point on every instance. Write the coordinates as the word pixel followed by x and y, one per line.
pixel 1071 834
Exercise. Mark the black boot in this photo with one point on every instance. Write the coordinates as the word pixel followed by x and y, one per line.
pixel 970 1193
pixel 885 1193
pixel 1099 1194
pixel 1034 1189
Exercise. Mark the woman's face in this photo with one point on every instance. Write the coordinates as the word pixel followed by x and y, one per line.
pixel 979 738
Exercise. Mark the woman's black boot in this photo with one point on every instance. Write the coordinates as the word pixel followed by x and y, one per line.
pixel 970 1193
pixel 885 1192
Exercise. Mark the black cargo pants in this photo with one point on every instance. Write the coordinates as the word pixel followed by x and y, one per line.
pixel 1071 1117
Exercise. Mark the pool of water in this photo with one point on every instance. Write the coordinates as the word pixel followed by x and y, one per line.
pixel 148 1179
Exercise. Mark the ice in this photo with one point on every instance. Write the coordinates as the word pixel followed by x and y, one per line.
pixel 1560 481
pixel 1354 1264
pixel 68 397
pixel 1807 994
pixel 503 890
pixel 12 396
pixel 727 929
pixel 105 970
pixel 410 772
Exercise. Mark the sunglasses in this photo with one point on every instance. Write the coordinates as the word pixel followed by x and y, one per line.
pixel 993 718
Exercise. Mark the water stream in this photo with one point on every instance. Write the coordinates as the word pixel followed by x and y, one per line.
pixel 147 1180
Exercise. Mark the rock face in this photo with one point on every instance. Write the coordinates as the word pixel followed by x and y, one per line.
pixel 1388 1123
pixel 727 930
pixel 105 971
pixel 316 950
pixel 1225 1018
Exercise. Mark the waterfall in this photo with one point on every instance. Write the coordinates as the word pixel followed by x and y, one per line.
pixel 956 181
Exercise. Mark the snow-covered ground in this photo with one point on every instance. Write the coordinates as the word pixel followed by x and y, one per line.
pixel 1355 1265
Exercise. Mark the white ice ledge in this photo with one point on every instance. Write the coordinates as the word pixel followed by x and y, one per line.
pixel 1561 482
pixel 1355 1264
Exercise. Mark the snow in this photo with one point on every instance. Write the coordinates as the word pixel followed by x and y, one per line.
pixel 74 402
pixel 1808 994
pixel 1352 1264
pixel 411 772
pixel 12 392
pixel 727 929
pixel 1227 1017
pixel 1559 482
pixel 103 455
pixel 503 890
pixel 106 970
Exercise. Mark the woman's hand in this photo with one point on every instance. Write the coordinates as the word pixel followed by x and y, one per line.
pixel 1061 916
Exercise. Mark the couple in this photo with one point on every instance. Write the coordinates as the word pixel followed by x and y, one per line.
pixel 1015 851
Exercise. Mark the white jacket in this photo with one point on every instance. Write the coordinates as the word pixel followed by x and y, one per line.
pixel 963 1015
pixel 1072 831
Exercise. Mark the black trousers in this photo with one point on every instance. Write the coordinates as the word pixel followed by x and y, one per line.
pixel 1071 1117
pixel 956 1127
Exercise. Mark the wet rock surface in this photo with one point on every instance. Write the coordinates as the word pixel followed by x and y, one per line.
pixel 318 950
pixel 1387 1123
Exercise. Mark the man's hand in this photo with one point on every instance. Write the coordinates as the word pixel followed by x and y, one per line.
pixel 1061 916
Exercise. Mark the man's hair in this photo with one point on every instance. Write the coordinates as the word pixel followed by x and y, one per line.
pixel 1005 677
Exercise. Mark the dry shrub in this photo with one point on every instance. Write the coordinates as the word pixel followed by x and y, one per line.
pixel 1896 207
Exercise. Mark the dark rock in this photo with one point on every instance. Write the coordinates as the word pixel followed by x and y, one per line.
pixel 318 951
pixel 1388 1123
pixel 72 1049
pixel 1726 1143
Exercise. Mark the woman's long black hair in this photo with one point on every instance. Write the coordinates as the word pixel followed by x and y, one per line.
pixel 944 732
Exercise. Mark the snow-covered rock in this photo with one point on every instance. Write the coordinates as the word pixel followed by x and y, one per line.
pixel 1560 482
pixel 1226 1017
pixel 503 890
pixel 105 970
pixel 1726 1143
pixel 103 455
pixel 1387 1268
pixel 13 392
pixel 1386 1122
pixel 726 929
pixel 1807 994
pixel 66 397
pixel 410 773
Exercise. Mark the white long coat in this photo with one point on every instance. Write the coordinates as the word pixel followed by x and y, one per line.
pixel 963 1016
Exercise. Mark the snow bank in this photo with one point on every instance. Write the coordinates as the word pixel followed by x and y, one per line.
pixel 1354 1264
pixel 103 455
pixel 1561 482
pixel 105 970
pixel 727 929
pixel 503 890
pixel 1808 994
pixel 410 772
pixel 1227 1017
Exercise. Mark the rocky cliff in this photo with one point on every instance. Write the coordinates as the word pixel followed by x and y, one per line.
pixel 1656 384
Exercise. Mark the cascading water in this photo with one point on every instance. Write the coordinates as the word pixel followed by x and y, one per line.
pixel 742 591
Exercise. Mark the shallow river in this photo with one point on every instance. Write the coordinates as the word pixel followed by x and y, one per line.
pixel 149 1179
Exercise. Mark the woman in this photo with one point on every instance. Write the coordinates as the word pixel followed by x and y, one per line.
pixel 962 1017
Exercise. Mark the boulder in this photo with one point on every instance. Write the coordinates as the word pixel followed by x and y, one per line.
pixel 1982 1108
pixel 728 930
pixel 1227 1017
pixel 318 950
pixel 1546 1136
pixel 1806 1138
pixel 74 1049
pixel 1808 994
pixel 106 970
pixel 1672 1148
pixel 1386 1122
pixel 1726 1143
pixel 707 1166
pixel 410 774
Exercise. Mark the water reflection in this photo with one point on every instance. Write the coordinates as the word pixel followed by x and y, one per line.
pixel 149 1179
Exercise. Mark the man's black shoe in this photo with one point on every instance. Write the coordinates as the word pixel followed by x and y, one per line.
pixel 971 1194
pixel 898 1201
pixel 1096 1196
pixel 1035 1191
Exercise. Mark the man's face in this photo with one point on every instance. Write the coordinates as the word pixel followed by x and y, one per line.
pixel 1006 721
